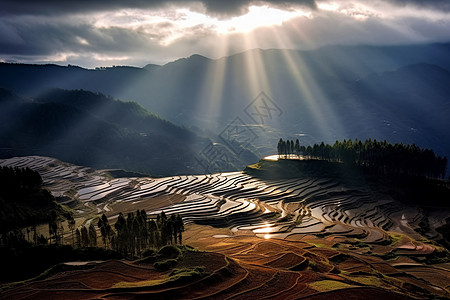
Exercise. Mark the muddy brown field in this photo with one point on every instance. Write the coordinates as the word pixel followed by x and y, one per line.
pixel 243 266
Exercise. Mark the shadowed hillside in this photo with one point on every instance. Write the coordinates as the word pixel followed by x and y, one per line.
pixel 95 130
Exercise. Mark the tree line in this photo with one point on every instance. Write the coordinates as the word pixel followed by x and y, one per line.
pixel 378 156
pixel 24 204
pixel 130 235
pixel 133 234
pixel 23 201
pixel 18 180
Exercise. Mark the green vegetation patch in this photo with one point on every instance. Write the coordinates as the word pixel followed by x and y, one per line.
pixel 179 276
pixel 188 274
pixel 368 280
pixel 329 285
pixel 395 238
pixel 360 244
pixel 170 251
pixel 165 265
pixel 174 252
pixel 317 245
pixel 144 283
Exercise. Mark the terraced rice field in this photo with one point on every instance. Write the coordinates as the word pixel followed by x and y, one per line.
pixel 279 239
pixel 270 209
pixel 245 267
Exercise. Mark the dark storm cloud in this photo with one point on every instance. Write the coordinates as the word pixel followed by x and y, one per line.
pixel 52 37
pixel 433 4
pixel 215 7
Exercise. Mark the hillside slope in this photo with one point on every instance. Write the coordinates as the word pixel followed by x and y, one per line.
pixel 94 130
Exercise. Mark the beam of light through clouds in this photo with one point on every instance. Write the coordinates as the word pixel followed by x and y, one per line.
pixel 97 33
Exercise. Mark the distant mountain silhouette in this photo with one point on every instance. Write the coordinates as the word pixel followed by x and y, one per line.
pixel 396 93
pixel 410 105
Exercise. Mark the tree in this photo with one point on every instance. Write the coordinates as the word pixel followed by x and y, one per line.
pixel 180 228
pixel 105 229
pixel 71 224
pixel 77 238
pixel 131 241
pixel 92 236
pixel 53 227
pixel 291 147
pixel 41 240
pixel 121 239
pixel 153 233
pixel 280 146
pixel 35 236
pixel 60 234
pixel 84 237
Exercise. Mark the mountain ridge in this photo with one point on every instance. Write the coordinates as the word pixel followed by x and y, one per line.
pixel 327 94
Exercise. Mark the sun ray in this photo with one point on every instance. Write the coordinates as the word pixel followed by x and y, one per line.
pixel 211 95
pixel 310 97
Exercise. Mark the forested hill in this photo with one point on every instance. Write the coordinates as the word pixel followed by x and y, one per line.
pixel 23 202
pixel 375 156
pixel 94 130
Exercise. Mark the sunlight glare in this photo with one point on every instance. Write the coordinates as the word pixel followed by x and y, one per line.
pixel 172 24
pixel 258 16
pixel 267 228
pixel 82 41
pixel 109 58
pixel 328 6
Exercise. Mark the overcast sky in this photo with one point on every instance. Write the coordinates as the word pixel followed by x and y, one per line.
pixel 96 33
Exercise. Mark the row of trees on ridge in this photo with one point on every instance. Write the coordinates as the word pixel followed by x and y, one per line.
pixel 380 157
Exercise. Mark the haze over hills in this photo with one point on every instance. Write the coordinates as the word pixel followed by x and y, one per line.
pixel 397 93
pixel 98 131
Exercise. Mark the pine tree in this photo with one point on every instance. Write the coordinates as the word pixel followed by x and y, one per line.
pixel 105 229
pixel 84 237
pixel 180 228
pixel 92 236
pixel 71 225
pixel 77 238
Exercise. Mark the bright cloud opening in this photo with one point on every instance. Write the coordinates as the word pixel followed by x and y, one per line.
pixel 259 16
pixel 171 25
